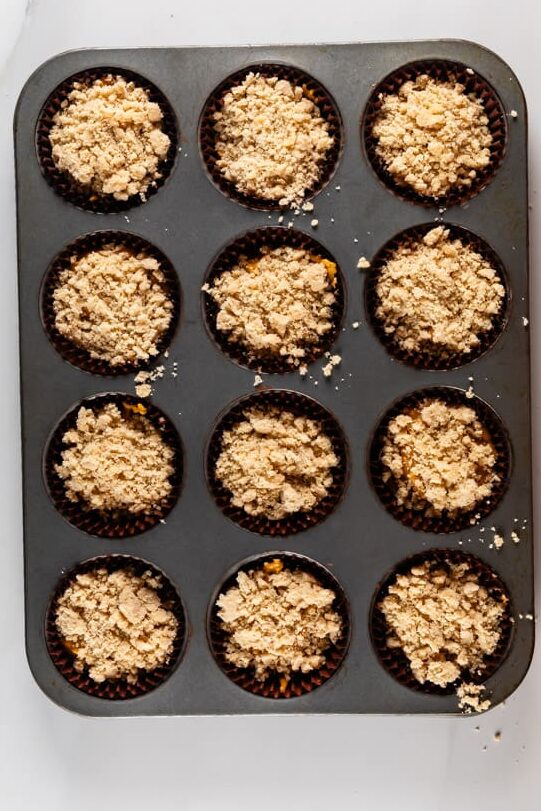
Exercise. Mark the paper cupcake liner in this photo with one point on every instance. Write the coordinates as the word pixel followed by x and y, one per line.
pixel 63 183
pixel 444 522
pixel 250 245
pixel 444 360
pixel 77 355
pixel 114 689
pixel 317 93
pixel 440 70
pixel 118 523
pixel 395 661
pixel 303 406
pixel 298 683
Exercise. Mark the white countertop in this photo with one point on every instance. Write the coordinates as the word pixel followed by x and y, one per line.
pixel 50 759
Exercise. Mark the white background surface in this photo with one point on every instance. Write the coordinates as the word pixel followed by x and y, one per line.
pixel 50 759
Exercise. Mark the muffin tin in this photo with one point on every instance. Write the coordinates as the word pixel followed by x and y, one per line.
pixel 190 220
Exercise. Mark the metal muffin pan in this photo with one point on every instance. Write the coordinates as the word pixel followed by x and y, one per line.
pixel 191 221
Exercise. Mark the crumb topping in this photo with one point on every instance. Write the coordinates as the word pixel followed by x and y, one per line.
pixel 113 303
pixel 277 305
pixel 114 461
pixel 439 457
pixel 278 621
pixel 275 463
pixel 432 135
pixel 438 295
pixel 115 624
pixel 469 698
pixel 271 139
pixel 444 621
pixel 108 136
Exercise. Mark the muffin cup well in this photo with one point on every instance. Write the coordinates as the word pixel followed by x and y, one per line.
pixel 114 689
pixel 65 185
pixel 445 360
pixel 443 522
pixel 298 683
pixel 316 92
pixel 250 245
pixel 121 523
pixel 77 355
pixel 440 70
pixel 298 404
pixel 395 661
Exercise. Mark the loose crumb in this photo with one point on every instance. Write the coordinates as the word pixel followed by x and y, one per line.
pixel 143 390
pixel 275 463
pixel 108 137
pixel 525 321
pixel 498 540
pixel 444 621
pixel 438 295
pixel 363 263
pixel 278 621
pixel 314 223
pixel 438 457
pixel 113 303
pixel 115 624
pixel 355 325
pixel 334 360
pixel 469 699
pixel 115 461
pixel 271 139
pixel 277 305
pixel 433 136
pixel 258 380
pixel 514 114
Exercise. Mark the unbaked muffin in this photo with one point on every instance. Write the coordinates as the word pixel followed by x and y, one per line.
pixel 278 621
pixel 115 460
pixel 444 620
pixel 438 458
pixel 115 624
pixel 275 463
pixel 271 139
pixel 437 296
pixel 432 136
pixel 277 305
pixel 113 302
pixel 108 138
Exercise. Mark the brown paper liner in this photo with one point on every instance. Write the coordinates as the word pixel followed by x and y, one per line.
pixel 440 70
pixel 250 245
pixel 440 359
pixel 117 524
pixel 303 406
pixel 443 522
pixel 77 355
pixel 63 183
pixel 115 689
pixel 298 683
pixel 317 93
pixel 395 661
